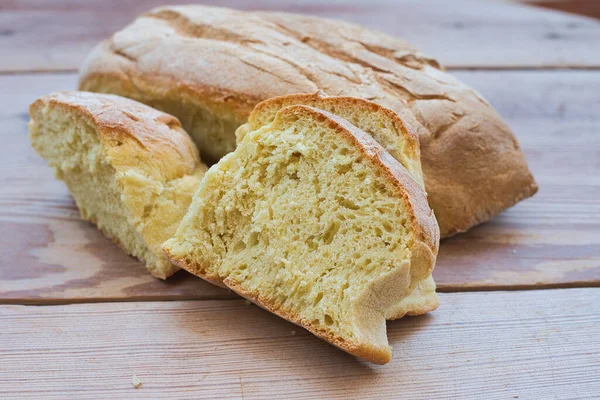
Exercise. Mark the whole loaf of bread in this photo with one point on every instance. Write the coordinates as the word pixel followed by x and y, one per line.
pixel 210 66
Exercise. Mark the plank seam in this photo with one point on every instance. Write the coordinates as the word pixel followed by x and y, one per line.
pixel 145 299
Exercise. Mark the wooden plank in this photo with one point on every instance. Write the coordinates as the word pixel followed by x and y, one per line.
pixel 590 8
pixel 552 239
pixel 55 35
pixel 492 345
pixel 47 255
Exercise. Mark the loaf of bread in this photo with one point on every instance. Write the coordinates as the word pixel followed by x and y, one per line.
pixel 132 170
pixel 210 66
pixel 387 129
pixel 313 220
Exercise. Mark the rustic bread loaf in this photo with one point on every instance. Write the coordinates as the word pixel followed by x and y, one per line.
pixel 210 66
pixel 131 169
pixel 387 129
pixel 313 220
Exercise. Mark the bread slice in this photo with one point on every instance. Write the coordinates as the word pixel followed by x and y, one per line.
pixel 313 220
pixel 388 129
pixel 383 124
pixel 131 169
pixel 227 61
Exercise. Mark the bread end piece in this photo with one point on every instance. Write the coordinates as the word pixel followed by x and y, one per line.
pixel 131 169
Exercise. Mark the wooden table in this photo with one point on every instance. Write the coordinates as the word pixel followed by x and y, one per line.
pixel 520 308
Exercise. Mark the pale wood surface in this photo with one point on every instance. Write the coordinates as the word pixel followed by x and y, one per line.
pixel 53 35
pixel 498 345
pixel 48 255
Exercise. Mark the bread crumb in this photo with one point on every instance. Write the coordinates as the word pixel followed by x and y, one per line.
pixel 136 382
pixel 248 302
pixel 293 333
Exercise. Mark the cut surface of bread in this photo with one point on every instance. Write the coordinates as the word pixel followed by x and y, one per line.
pixel 383 124
pixel 386 127
pixel 210 66
pixel 313 220
pixel 131 169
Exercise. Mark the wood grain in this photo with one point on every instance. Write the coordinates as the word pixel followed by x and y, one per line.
pixel 494 345
pixel 56 35
pixel 48 255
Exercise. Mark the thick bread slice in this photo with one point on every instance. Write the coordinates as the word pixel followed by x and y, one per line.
pixel 383 124
pixel 210 66
pixel 386 127
pixel 131 169
pixel 313 220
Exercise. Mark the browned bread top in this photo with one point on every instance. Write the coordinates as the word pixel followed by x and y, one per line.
pixel 209 66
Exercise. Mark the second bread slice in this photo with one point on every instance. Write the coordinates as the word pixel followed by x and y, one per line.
pixel 313 220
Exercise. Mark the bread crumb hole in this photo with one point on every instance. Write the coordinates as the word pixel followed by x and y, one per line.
pixel 387 226
pixel 331 231
pixel 148 210
pixel 253 239
pixel 348 204
pixel 343 168
pixel 318 298
pixel 328 320
pixel 239 246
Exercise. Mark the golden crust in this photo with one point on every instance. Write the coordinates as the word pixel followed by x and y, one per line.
pixel 472 163
pixel 138 135
pixel 424 247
